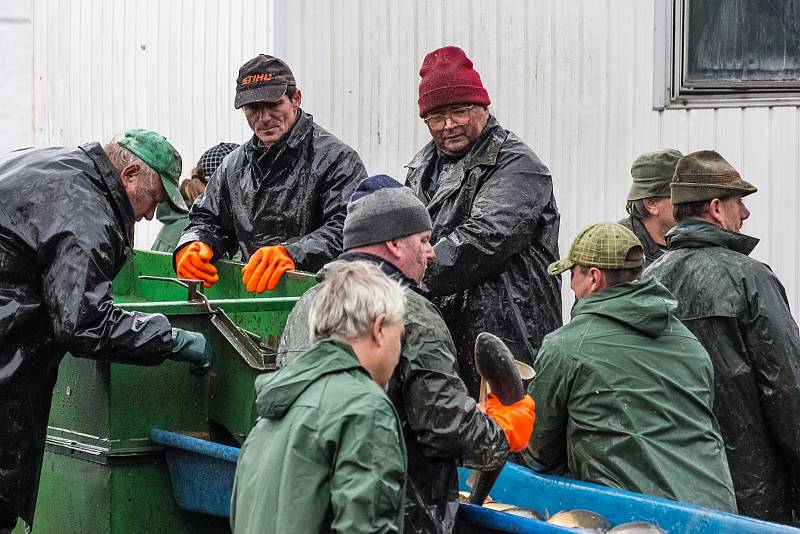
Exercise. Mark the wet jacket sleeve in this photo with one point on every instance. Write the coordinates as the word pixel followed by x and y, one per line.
pixel 210 218
pixel 445 420
pixel 313 250
pixel 773 344
pixel 550 389
pixel 368 479
pixel 506 209
pixel 76 288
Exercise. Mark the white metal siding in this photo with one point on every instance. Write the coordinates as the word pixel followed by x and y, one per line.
pixel 574 78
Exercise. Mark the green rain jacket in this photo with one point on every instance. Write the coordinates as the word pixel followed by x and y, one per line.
pixel 174 222
pixel 737 308
pixel 326 453
pixel 624 396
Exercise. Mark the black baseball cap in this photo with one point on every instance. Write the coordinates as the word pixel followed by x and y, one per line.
pixel 262 79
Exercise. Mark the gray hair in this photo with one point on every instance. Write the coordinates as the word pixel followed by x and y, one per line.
pixel 121 157
pixel 352 295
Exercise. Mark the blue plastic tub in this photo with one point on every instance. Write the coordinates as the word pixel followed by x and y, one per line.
pixel 201 471
pixel 202 479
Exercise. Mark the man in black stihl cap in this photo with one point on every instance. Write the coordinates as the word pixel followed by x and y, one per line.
pixel 280 198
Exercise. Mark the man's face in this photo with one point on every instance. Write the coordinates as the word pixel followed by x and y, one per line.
pixel 732 213
pixel 455 128
pixel 414 253
pixel 663 206
pixel 145 192
pixel 270 121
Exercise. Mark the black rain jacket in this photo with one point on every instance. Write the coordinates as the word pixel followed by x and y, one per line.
pixel 495 229
pixel 737 308
pixel 65 223
pixel 294 193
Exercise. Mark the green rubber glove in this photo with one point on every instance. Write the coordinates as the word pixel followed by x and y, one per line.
pixel 191 347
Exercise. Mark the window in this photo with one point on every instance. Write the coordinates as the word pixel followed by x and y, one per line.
pixel 727 53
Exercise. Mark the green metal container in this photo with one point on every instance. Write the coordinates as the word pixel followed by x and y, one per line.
pixel 101 473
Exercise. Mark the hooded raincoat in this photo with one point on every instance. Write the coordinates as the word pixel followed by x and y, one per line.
pixel 293 193
pixel 495 229
pixel 442 424
pixel 737 308
pixel 325 454
pixel 624 395
pixel 56 266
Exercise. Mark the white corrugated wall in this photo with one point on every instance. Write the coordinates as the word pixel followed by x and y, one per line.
pixel 574 78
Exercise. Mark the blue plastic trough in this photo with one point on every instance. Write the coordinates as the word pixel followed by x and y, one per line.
pixel 202 479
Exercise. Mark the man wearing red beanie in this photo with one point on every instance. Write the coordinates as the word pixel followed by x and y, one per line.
pixel 495 221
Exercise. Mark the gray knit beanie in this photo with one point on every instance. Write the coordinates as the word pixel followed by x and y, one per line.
pixel 382 209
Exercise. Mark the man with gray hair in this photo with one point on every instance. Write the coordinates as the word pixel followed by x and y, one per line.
pixel 325 420
pixel 66 220
pixel 649 205
pixel 389 226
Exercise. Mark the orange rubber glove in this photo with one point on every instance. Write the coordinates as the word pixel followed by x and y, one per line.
pixel 265 268
pixel 194 262
pixel 516 420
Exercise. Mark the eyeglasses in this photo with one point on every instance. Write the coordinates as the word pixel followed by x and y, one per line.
pixel 458 116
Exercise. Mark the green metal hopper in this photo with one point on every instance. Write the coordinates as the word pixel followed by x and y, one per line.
pixel 101 473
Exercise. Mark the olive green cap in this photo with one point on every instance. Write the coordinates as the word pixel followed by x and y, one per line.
pixel 652 173
pixel 705 175
pixel 154 149
pixel 601 245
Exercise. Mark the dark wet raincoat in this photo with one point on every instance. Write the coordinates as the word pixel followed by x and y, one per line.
pixel 325 454
pixel 441 423
pixel 293 193
pixel 65 223
pixel 495 229
pixel 737 308
pixel 652 250
pixel 624 397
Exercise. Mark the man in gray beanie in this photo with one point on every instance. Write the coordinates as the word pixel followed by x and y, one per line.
pixel 388 225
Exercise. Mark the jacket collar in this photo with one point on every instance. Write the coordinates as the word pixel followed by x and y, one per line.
pixel 110 181
pixel 651 248
pixel 699 234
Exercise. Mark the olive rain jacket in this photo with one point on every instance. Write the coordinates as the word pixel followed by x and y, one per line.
pixel 294 193
pixel 624 395
pixel 495 229
pixel 652 250
pixel 737 308
pixel 174 222
pixel 325 454
pixel 65 222
pixel 441 423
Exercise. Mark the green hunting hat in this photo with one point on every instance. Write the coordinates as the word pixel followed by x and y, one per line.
pixel 705 175
pixel 652 173
pixel 154 149
pixel 601 245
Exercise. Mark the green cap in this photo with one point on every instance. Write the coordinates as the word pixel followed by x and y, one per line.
pixel 154 149
pixel 652 173
pixel 705 175
pixel 601 245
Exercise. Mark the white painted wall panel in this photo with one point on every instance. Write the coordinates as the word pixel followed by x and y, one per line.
pixel 574 78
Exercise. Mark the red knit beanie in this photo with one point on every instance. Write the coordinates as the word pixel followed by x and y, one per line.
pixel 448 78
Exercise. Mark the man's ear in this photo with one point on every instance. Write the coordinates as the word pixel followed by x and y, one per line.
pixel 297 97
pixel 129 173
pixel 714 210
pixel 377 329
pixel 393 249
pixel 598 280
pixel 651 206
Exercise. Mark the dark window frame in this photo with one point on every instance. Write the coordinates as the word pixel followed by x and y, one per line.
pixel 672 88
